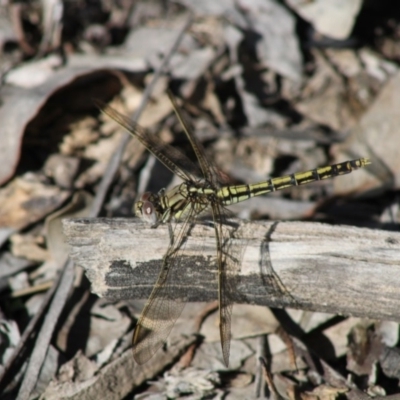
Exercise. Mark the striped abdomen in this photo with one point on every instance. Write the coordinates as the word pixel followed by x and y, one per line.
pixel 234 194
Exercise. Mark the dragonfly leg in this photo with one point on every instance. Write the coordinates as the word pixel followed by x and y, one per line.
pixel 171 234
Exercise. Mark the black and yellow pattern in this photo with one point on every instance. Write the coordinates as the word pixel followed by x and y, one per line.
pixel 234 194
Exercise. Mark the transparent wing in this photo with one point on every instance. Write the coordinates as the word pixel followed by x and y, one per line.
pixel 173 159
pixel 207 169
pixel 163 307
pixel 228 260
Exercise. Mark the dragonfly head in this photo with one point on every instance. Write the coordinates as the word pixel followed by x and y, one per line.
pixel 146 208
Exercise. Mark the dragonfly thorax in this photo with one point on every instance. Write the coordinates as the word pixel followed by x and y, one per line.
pixel 181 201
pixel 189 199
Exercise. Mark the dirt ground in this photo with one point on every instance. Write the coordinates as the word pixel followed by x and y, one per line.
pixel 268 88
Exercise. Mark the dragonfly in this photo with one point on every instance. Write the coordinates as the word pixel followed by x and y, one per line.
pixel 201 190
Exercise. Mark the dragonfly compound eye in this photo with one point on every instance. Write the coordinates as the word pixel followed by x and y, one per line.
pixel 148 212
pixel 147 208
pixel 146 196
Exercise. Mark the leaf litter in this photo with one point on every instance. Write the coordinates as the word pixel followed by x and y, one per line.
pixel 248 71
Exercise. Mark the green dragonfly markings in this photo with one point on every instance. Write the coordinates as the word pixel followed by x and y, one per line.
pixel 185 202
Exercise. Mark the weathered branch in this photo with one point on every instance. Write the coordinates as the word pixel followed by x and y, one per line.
pixel 337 269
